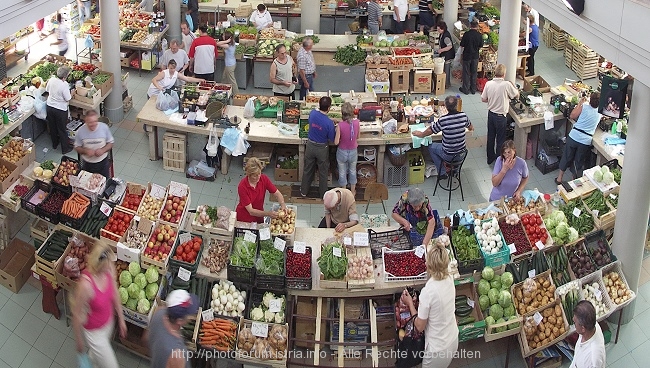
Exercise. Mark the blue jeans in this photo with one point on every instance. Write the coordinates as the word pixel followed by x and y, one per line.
pixel 347 161
pixel 303 89
pixel 496 131
pixel 438 155
pixel 84 11
pixel 373 28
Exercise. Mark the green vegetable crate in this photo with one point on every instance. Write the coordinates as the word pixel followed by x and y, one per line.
pixel 50 254
pixel 241 274
pixel 499 258
pixel 475 329
pixel 491 333
pixel 304 128
pixel 174 264
pixel 467 266
pixel 142 320
pixel 267 281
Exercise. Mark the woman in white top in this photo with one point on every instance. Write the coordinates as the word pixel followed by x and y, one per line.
pixel 58 98
pixel 167 78
pixel 435 314
pixel 261 18
pixel 283 73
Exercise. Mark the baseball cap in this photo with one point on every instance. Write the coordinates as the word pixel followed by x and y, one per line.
pixel 180 304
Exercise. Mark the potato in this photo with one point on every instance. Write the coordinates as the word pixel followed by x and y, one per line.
pixel 547 332
pixel 558 311
pixel 552 320
pixel 542 336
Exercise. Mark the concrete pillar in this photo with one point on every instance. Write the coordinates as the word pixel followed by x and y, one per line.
pixel 110 17
pixel 509 37
pixel 634 200
pixel 173 18
pixel 450 13
pixel 310 16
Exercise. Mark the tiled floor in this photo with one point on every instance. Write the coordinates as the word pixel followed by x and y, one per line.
pixel 30 338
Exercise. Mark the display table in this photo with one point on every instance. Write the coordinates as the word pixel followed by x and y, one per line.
pixel 86 106
pixel 604 152
pixel 7 129
pixel 523 125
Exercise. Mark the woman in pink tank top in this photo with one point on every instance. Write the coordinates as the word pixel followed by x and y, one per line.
pixel 94 304
pixel 347 133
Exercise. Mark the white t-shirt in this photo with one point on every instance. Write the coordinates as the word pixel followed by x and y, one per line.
pixel 590 354
pixel 262 20
pixel 62 35
pixel 535 15
pixel 180 57
pixel 403 7
pixel 168 81
pixel 59 93
pixel 187 41
pixel 96 139
pixel 437 306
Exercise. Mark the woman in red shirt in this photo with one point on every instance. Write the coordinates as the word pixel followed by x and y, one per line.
pixel 252 189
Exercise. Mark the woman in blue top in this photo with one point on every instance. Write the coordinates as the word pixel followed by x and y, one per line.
pixel 228 76
pixel 578 142
pixel 533 30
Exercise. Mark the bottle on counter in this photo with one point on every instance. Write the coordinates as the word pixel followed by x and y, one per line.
pixel 456 219
pixel 614 127
pixel 5 117
pixel 447 225
pixel 247 130
pixel 460 103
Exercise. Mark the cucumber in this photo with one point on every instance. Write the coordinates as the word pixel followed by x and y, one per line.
pixel 461 299
pixel 463 311
pixel 466 320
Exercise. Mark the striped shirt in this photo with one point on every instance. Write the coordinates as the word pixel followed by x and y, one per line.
pixel 423 6
pixel 305 61
pixel 452 127
pixel 374 12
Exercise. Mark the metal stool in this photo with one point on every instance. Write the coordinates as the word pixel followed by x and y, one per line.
pixel 452 168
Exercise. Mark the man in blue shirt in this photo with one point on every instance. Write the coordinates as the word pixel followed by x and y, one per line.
pixel 321 131
pixel 578 142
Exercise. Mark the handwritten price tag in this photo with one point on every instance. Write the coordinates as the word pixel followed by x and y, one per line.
pixel 207 315
pixel 531 273
pixel 275 305
pixel 299 247
pixel 250 237
pixel 144 225
pixel 184 238
pixel 157 191
pixel 136 218
pixel 279 244
pixel 360 239
pixel 336 251
pixel 470 302
pixel 539 245
pixel 598 294
pixel 612 196
pixel 347 241
pixel 74 180
pixel 133 189
pixel 260 329
pixel 538 318
pixel 265 233
pixel 512 248
pixel 595 212
pixel 184 274
pixel 106 209
pixel 309 32
pixel 576 212
pixel 419 251
pixel 177 189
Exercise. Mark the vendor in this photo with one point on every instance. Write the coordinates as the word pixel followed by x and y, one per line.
pixel 261 18
pixel 510 173
pixel 413 208
pixel 340 210
pixel 252 190
pixel 167 78
pixel 93 141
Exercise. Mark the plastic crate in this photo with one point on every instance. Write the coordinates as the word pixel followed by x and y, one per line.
pixel 616 267
pixel 270 282
pixel 544 167
pixel 73 222
pixel 51 217
pixel 175 264
pixel 391 278
pixel 393 239
pixel 24 200
pixel 395 176
pixel 297 282
pixel 65 188
pixel 592 242
pixel 499 258
pixel 244 275
pixel 416 173
pixel 255 300
pixel 471 265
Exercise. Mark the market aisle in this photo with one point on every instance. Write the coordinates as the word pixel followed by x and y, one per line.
pixel 29 338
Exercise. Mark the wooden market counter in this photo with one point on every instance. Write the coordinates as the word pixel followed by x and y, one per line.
pixel 524 125
pixel 7 129
pixel 605 152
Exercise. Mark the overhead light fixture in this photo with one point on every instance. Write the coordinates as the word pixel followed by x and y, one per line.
pixel 576 6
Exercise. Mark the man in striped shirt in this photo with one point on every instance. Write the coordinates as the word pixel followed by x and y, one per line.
pixel 452 127
pixel 187 36
pixel 426 18
pixel 374 17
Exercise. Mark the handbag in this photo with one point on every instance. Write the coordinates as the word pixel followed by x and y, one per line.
pixel 410 349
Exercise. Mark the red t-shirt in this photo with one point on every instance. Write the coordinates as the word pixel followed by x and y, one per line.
pixel 255 196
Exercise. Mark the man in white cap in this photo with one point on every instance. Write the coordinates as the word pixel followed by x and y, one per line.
pixel 340 210
pixel 165 340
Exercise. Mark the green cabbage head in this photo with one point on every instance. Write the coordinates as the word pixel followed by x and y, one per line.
pixel 124 295
pixel 125 278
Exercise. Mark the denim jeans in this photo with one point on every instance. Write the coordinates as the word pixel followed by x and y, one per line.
pixel 303 89
pixel 574 156
pixel 496 132
pixel 347 161
pixel 373 28
pixel 438 155
pixel 84 11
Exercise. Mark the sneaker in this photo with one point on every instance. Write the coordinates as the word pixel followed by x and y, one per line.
pixel 463 90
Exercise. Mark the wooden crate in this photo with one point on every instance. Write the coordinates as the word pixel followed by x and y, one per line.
pixel 217 233
pixel 557 39
pixel 247 357
pixel 64 281
pixel 526 351
pixel 46 268
pixel 39 229
pixel 260 150
pixel 546 275
pixel 174 155
pixel 365 283
pixel 568 54
pixel 146 262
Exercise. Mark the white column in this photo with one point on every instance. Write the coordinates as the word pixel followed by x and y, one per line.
pixel 173 17
pixel 310 16
pixel 110 18
pixel 509 36
pixel 450 13
pixel 634 200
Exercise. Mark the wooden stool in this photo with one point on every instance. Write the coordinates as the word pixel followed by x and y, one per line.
pixel 523 62
pixel 376 192
pixel 49 303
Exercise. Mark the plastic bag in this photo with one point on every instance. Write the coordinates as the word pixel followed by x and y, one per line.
pixel 71 268
pixel 88 42
pixel 458 58
pixel 163 102
pixel 213 144
pixel 249 108
pixel 410 348
pixel 287 129
pixel 83 361
pixel 40 105
pixel 175 100
pixel 223 218
pixel 390 126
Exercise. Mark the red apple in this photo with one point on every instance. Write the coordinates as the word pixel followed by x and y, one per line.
pixel 160 237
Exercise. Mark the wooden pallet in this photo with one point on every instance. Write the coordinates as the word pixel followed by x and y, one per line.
pixel 557 39
pixel 568 55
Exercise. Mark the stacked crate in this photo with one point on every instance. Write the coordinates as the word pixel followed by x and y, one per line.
pixel 174 158
pixel 556 37
pixel 584 62
pixel 568 54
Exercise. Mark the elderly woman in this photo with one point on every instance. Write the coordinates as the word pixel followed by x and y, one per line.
pixel 57 108
pixel 283 73
pixel 413 212
pixel 510 173
pixel 167 78
pixel 252 190
pixel 435 313
pixel 346 154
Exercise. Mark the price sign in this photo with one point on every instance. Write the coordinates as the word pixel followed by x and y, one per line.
pixel 595 212
pixel 576 212
pixel 279 244
pixel 612 196
pixel 360 239
pixel 275 305
pixel 309 32
pixel 157 191
pixel 538 318
pixel 74 181
pixel 207 315
pixel 265 233
pixel 419 251
pixel 133 189
pixel 299 247
pixel 539 245
pixel 225 24
pixel 250 237
pixel 470 302
pixel 144 226
pixel 598 294
pixel 260 329
pixel 136 218
pixel 106 209
pixel 531 273
pixel 184 274
pixel 512 248
pixel 184 238
pixel 177 189
pixel 336 251
pixel 347 241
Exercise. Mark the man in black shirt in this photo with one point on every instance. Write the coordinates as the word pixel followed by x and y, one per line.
pixel 471 43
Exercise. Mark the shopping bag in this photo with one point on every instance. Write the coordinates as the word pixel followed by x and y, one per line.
pixel 213 144
pixel 88 42
pixel 83 360
pixel 163 102
pixel 411 348
pixel 174 100
pixel 249 108
pixel 458 58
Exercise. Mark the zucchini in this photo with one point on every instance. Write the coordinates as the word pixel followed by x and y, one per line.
pixel 466 320
pixel 461 299
pixel 463 311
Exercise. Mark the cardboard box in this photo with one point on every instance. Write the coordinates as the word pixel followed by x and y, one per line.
pixel 285 174
pixel 106 86
pixel 306 328
pixel 149 64
pixel 385 330
pixel 536 79
pixel 126 61
pixel 377 87
pixel 13 176
pixel 422 81
pixel 15 264
pixel 439 87
pixel 94 100
pixel 399 81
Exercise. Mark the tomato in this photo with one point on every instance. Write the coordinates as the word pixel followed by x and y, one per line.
pixel 539 220
pixel 524 220
pixel 544 238
pixel 197 247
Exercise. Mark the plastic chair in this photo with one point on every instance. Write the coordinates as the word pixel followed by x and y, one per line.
pixel 376 192
pixel 452 168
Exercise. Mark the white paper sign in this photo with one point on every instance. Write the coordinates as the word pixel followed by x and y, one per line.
pixel 106 209
pixel 299 247
pixel 275 305
pixel 347 241
pixel 512 248
pixel 184 274
pixel 360 239
pixel 336 251
pixel 265 233
pixel 309 32
pixel 576 212
pixel 136 218
pixel 157 191
pixel 538 318
pixel 250 237
pixel 539 245
pixel 595 212
pixel 531 273
pixel 184 238
pixel 470 302
pixel 207 315
pixel 260 329
pixel 279 244
pixel 598 294
pixel 74 180
pixel 419 251
pixel 225 24
pixel 612 196
pixel 177 189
